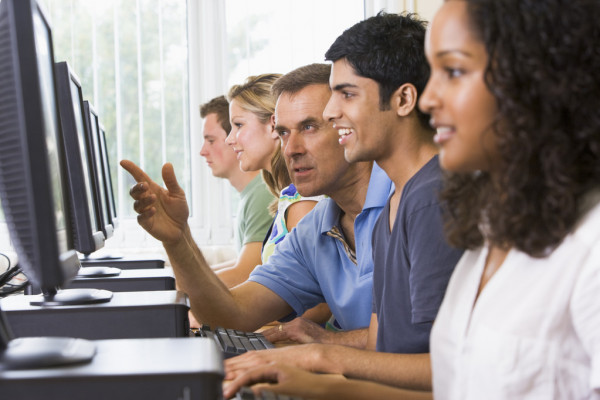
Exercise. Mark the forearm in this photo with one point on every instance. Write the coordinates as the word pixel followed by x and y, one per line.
pixel 355 338
pixel 245 263
pixel 411 371
pixel 224 264
pixel 231 276
pixel 358 390
pixel 210 300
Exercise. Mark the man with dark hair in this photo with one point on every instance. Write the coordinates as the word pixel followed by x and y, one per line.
pixel 379 70
pixel 253 215
pixel 326 258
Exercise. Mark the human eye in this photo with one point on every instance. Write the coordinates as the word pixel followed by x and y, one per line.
pixel 282 132
pixel 309 127
pixel 452 72
pixel 346 94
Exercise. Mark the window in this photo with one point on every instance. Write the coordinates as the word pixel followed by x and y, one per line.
pixel 146 65
pixel 131 59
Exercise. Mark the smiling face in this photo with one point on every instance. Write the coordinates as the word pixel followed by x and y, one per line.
pixel 354 108
pixel 310 145
pixel 251 140
pixel 461 106
pixel 219 156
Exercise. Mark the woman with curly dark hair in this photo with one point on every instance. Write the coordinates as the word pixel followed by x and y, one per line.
pixel 514 94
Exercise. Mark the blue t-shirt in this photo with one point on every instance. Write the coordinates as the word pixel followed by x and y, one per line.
pixel 412 265
pixel 309 267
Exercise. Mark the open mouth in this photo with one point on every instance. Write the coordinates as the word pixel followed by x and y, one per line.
pixel 344 133
pixel 443 134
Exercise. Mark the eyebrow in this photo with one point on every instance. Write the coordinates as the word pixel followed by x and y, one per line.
pixel 342 86
pixel 305 121
pixel 444 53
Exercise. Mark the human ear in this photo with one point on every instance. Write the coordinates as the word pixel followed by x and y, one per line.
pixel 404 99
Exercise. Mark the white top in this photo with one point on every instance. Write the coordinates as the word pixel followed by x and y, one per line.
pixel 534 332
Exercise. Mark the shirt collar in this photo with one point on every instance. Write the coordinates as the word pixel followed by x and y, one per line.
pixel 380 187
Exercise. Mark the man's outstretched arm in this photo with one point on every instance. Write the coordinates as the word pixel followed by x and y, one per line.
pixel 163 213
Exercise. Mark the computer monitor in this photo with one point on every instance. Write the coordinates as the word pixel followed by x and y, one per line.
pixel 95 157
pixel 32 185
pixel 87 233
pixel 110 193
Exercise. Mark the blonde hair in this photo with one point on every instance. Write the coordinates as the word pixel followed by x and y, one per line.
pixel 254 95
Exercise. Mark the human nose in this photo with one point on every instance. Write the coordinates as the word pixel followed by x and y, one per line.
pixel 230 139
pixel 430 97
pixel 203 150
pixel 292 144
pixel 331 111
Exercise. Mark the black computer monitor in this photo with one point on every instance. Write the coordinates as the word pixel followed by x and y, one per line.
pixel 110 193
pixel 95 157
pixel 32 185
pixel 87 233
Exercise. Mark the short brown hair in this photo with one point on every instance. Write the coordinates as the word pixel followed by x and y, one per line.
pixel 220 106
pixel 298 79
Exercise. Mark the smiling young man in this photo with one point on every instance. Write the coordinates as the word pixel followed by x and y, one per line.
pixel 379 69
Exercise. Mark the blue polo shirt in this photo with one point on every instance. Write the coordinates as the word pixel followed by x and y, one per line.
pixel 310 266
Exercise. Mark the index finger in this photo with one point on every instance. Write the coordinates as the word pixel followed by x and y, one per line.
pixel 138 174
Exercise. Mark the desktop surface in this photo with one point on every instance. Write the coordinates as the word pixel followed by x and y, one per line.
pixel 125 262
pixel 129 280
pixel 149 314
pixel 174 368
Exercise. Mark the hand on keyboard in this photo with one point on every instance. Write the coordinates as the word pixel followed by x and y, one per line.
pixel 233 342
pixel 282 379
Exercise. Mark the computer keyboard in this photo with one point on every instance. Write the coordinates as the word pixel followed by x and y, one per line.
pixel 246 393
pixel 233 342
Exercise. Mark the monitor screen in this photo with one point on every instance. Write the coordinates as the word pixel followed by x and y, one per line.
pixel 87 234
pixel 97 169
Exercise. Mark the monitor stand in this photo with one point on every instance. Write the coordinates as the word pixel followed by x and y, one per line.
pixel 99 271
pixel 90 257
pixel 71 297
pixel 41 352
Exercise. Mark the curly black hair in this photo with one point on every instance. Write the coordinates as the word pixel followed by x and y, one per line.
pixel 388 48
pixel 544 72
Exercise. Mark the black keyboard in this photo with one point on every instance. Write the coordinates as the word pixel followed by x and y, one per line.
pixel 233 342
pixel 246 393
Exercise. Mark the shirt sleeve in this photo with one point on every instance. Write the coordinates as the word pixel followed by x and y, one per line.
pixel 431 261
pixel 290 269
pixel 585 309
pixel 257 219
